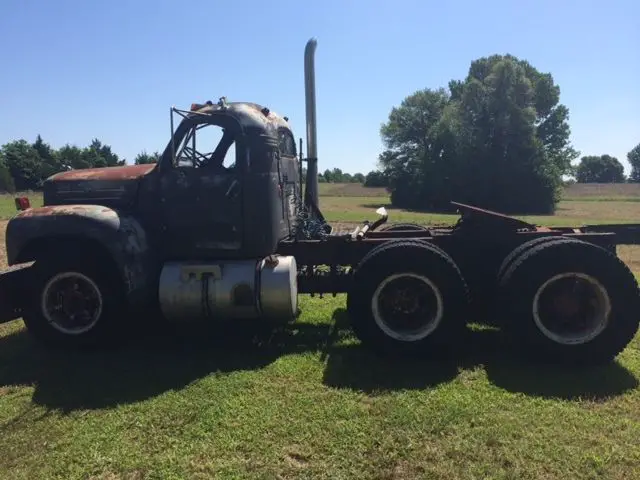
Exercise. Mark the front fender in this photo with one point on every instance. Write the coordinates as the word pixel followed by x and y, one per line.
pixel 122 236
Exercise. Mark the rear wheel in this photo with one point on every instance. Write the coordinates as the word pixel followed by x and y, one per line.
pixel 570 301
pixel 408 297
pixel 521 249
pixel 75 300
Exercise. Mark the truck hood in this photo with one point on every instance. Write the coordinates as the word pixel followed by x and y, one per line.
pixel 109 186
pixel 128 172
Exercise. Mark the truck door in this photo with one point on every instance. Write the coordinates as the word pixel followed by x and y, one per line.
pixel 202 194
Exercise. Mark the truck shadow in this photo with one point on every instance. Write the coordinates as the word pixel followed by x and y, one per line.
pixel 357 368
pixel 174 358
pixel 169 359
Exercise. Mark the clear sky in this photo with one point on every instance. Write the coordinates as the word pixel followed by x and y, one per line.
pixel 75 70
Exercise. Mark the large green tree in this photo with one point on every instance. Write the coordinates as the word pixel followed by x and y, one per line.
pixel 600 169
pixel 499 139
pixel 634 159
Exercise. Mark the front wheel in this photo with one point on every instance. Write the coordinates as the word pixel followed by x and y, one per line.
pixel 74 300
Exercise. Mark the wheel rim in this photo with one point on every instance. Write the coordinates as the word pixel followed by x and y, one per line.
pixel 72 303
pixel 407 306
pixel 571 308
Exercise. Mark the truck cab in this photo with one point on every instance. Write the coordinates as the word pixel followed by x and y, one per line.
pixel 194 233
pixel 226 186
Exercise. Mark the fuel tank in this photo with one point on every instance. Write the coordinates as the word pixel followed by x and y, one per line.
pixel 246 289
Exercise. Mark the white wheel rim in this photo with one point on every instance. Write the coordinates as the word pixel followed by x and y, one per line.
pixel 415 334
pixel 51 311
pixel 598 317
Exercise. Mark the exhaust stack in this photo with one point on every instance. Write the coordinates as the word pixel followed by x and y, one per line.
pixel 310 102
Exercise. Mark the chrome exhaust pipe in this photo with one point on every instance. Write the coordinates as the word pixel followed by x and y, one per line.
pixel 310 102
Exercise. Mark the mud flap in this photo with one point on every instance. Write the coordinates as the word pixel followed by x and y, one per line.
pixel 13 284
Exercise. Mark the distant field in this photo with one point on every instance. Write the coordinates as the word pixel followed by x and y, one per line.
pixel 599 191
pixel 349 190
pixel 586 192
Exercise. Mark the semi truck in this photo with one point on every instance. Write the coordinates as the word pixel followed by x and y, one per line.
pixel 225 230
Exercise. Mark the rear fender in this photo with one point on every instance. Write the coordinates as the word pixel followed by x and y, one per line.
pixel 122 236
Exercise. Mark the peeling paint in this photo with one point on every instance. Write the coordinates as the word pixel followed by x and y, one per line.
pixel 96 212
pixel 132 244
pixel 247 113
pixel 128 172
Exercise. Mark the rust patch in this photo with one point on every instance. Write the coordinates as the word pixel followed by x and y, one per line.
pixel 83 210
pixel 494 218
pixel 128 172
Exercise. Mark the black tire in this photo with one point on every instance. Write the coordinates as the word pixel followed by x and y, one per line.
pixel 399 227
pixel 520 249
pixel 98 277
pixel 604 336
pixel 426 266
pixel 495 317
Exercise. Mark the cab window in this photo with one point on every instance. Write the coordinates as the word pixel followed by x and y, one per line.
pixel 286 143
pixel 207 146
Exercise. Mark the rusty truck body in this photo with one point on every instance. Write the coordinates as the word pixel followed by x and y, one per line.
pixel 225 229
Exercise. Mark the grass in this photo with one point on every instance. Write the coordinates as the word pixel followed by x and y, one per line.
pixel 307 401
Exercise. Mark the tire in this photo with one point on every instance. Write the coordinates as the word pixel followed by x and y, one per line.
pixel 526 316
pixel 399 227
pixel 420 265
pixel 105 295
pixel 494 317
pixel 520 249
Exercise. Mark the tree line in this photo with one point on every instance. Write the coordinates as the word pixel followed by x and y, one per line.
pixel 608 169
pixel 25 165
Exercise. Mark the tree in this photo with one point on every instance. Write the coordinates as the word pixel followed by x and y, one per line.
pixel 634 159
pixel 143 157
pixel 376 178
pixel 6 180
pixel 23 163
pixel 99 155
pixel 499 139
pixel 72 157
pixel 600 169
pixel 357 178
pixel 49 159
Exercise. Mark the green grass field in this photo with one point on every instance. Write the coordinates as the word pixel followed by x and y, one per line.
pixel 309 402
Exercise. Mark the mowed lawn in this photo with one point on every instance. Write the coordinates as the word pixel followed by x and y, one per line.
pixel 307 401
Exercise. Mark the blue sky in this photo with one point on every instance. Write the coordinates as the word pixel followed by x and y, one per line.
pixel 74 70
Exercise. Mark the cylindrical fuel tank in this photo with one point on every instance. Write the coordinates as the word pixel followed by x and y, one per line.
pixel 229 289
